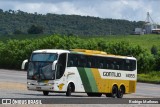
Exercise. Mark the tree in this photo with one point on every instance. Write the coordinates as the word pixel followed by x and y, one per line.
pixel 1 11
pixel 35 29
pixel 18 32
pixel 154 50
pixel 157 61
pixel 63 24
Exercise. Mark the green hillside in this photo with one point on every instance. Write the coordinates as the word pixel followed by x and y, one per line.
pixel 19 22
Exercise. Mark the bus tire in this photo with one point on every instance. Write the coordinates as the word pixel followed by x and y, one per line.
pixel 69 90
pixel 114 91
pixel 45 93
pixel 121 91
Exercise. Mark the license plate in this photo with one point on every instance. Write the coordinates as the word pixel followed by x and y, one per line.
pixel 38 88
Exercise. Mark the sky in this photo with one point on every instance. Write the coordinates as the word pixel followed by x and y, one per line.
pixel 133 10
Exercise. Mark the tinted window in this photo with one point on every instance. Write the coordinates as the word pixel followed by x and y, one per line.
pixel 89 61
pixel 82 61
pixel 43 57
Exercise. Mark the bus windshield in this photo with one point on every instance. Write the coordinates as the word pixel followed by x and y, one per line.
pixel 40 66
pixel 44 57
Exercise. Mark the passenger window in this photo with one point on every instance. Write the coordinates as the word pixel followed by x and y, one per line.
pixel 117 67
pixel 101 65
pixel 90 62
pixel 81 61
pixel 130 65
pixel 71 63
pixel 133 65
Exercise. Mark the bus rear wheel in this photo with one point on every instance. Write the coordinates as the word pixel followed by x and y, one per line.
pixel 45 93
pixel 114 91
pixel 121 91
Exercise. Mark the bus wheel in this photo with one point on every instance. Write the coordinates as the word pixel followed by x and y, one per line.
pixel 45 93
pixel 69 90
pixel 121 91
pixel 114 91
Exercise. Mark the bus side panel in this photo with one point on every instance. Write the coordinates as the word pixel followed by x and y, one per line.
pixel 102 84
pixel 72 75
pixel 132 86
pixel 105 85
pixel 94 82
pixel 85 80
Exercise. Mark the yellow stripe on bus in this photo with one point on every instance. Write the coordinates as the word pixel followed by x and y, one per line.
pixel 105 85
pixel 102 84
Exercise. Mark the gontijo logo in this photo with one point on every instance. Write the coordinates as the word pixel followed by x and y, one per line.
pixel 111 74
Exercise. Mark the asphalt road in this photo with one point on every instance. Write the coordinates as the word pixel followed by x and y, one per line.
pixel 13 85
pixel 13 76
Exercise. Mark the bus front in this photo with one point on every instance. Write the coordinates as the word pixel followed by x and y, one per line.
pixel 40 73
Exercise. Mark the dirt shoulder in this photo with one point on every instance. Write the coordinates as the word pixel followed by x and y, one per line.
pixel 13 85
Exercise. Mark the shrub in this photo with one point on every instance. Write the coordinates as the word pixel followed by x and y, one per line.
pixel 13 52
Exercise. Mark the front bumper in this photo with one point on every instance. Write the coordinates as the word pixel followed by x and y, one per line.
pixel 40 88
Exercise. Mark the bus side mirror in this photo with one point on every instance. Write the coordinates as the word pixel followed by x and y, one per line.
pixel 54 65
pixel 24 64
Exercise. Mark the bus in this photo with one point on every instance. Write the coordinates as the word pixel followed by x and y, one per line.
pixel 82 71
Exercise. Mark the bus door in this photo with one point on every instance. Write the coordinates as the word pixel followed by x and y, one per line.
pixel 61 65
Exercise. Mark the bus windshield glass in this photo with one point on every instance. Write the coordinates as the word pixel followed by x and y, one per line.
pixel 40 66
pixel 44 57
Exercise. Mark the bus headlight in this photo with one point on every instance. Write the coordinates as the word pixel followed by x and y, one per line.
pixel 28 83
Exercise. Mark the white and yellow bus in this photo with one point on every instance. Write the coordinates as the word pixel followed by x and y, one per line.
pixel 83 71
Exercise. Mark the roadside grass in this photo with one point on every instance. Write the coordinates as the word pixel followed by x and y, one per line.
pixel 151 77
pixel 145 41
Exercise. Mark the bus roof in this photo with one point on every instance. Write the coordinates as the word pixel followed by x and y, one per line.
pixel 58 51
pixel 99 53
pixel 82 51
